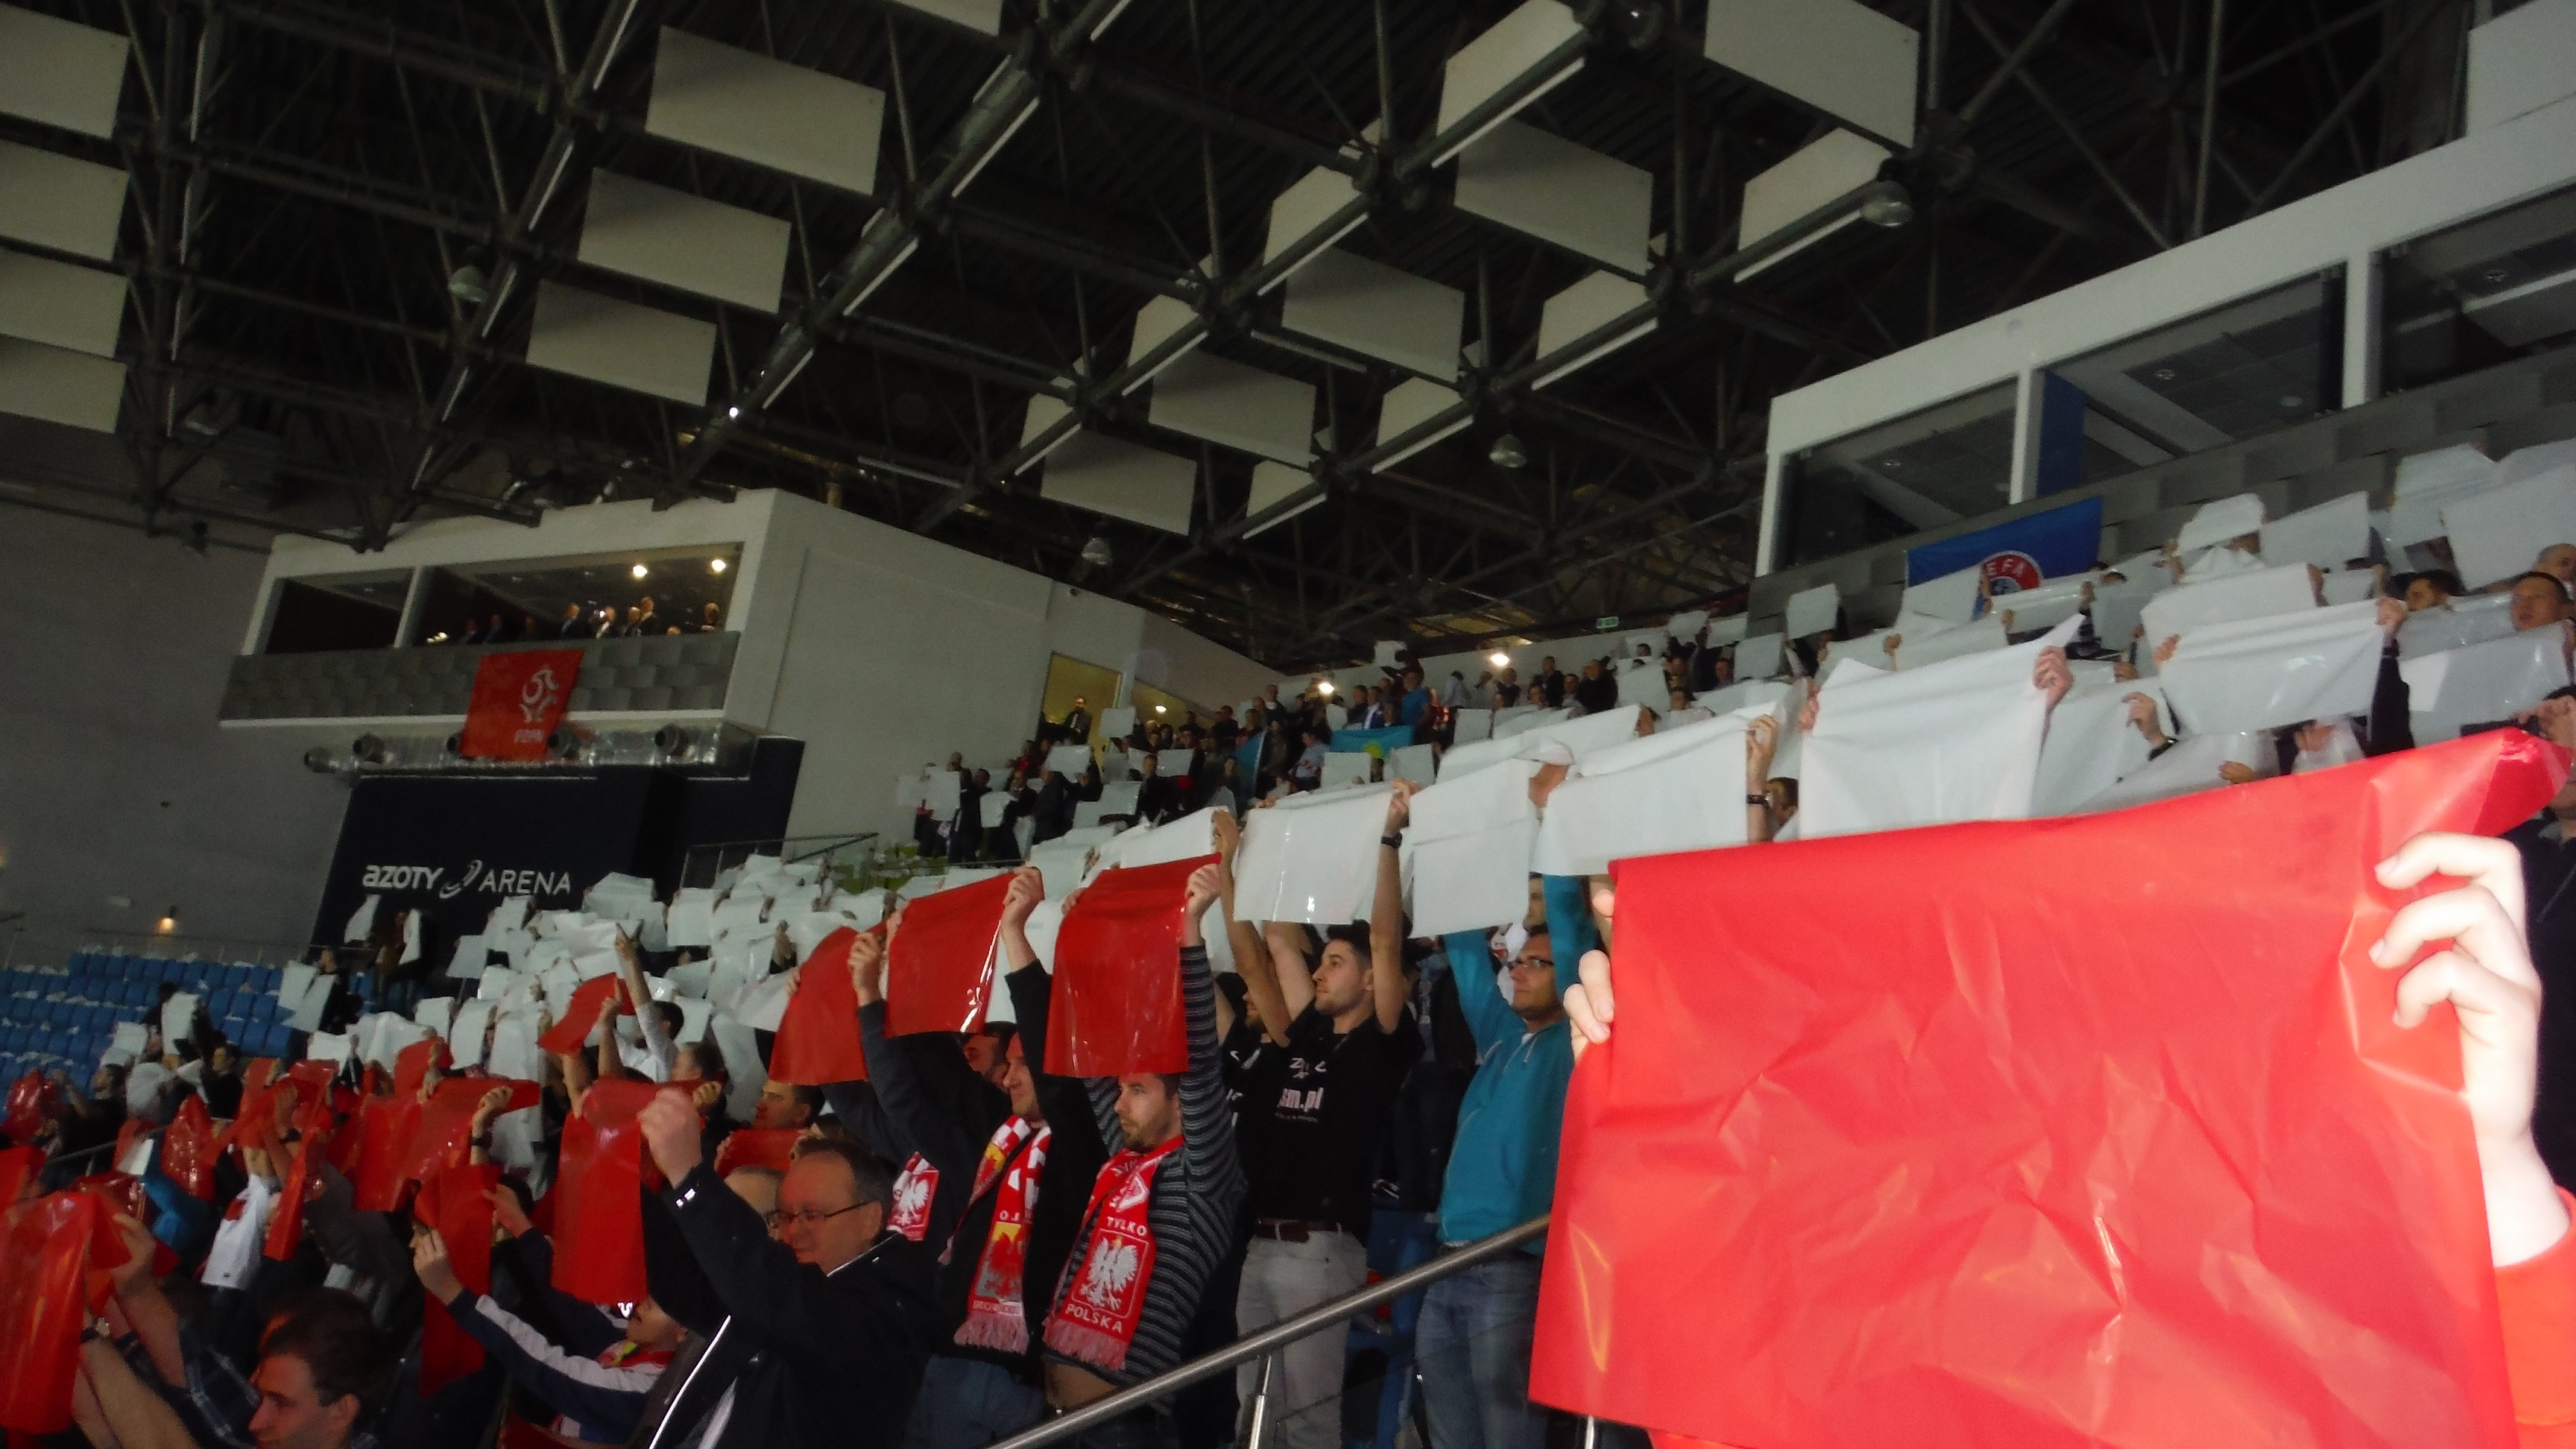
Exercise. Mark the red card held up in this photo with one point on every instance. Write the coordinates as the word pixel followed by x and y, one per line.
pixel 31 1097
pixel 51 1247
pixel 447 1120
pixel 452 1201
pixel 188 1150
pixel 818 1034
pixel 18 1168
pixel 2092 1130
pixel 599 1210
pixel 940 973
pixel 413 1063
pixel 299 1178
pixel 1115 1004
pixel 771 1147
pixel 384 1130
pixel 581 1014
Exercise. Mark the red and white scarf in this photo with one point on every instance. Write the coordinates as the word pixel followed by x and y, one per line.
pixel 995 1316
pixel 1096 1314
pixel 914 1188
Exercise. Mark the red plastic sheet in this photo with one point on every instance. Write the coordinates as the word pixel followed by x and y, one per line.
pixel 412 1064
pixel 53 1247
pixel 299 1177
pixel 1115 1006
pixel 772 1147
pixel 379 1167
pixel 447 1121
pixel 598 1205
pixel 940 975
pixel 188 1150
pixel 2088 1131
pixel 818 1035
pixel 18 1168
pixel 581 1014
pixel 31 1100
pixel 452 1201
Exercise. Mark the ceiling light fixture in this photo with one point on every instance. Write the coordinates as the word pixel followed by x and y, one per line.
pixel 1499 659
pixel 1095 551
pixel 1507 452
pixel 639 571
pixel 1889 208
pixel 1160 709
pixel 466 285
pixel 715 565
pixel 1324 687
pixel 169 921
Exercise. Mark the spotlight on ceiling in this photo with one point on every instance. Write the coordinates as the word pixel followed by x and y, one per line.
pixel 1507 452
pixel 1499 659
pixel 1095 551
pixel 1889 208
pixel 1324 687
pixel 466 285
pixel 169 921
pixel 715 565
pixel 639 571
pixel 1162 709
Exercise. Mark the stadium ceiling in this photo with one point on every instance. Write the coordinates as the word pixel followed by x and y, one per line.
pixel 344 219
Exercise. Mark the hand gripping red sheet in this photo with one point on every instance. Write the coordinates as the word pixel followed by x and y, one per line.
pixel 188 1150
pixel 52 1261
pixel 598 1205
pixel 1115 1004
pixel 818 1034
pixel 452 1201
pixel 940 975
pixel 2086 1131
pixel 581 1014
pixel 447 1120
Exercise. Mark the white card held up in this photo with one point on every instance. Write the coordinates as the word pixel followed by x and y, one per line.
pixel 1088 813
pixel 1466 726
pixel 1060 864
pixel 1345 769
pixel 1311 858
pixel 1118 722
pixel 1187 838
pixel 1069 761
pixel 1335 717
pixel 1952 596
pixel 1920 650
pixel 434 1012
pixel 1679 791
pixel 410 937
pixel 305 1013
pixel 466 1033
pixel 1758 656
pixel 1470 882
pixel 1417 763
pixel 2329 535
pixel 2120 609
pixel 2255 595
pixel 2533 459
pixel 912 789
pixel 2221 522
pixel 989 810
pixel 1171 764
pixel 1641 684
pixel 1762 693
pixel 2091 744
pixel 1727 630
pixel 178 1019
pixel 692 918
pixel 946 791
pixel 2287 669
pixel 363 920
pixel 129 1037
pixel 1686 625
pixel 2027 611
pixel 690 978
pixel 2350 586
pixel 1389 653
pixel 2500 533
pixel 1520 719
pixel 1955 741
pixel 1118 797
pixel 292 983
pixel 467 963
pixel 327 1046
pixel 1583 735
pixel 1812 611
pixel 2483 683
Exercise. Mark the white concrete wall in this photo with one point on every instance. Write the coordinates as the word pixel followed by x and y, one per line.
pixel 115 779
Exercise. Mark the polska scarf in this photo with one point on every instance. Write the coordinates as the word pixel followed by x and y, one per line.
pixel 995 1316
pixel 914 1188
pixel 1098 1307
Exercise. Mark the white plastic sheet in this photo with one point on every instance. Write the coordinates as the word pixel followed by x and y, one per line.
pixel 1417 763
pixel 1118 722
pixel 1952 596
pixel 1119 797
pixel 362 920
pixel 2470 619
pixel 2426 483
pixel 2501 532
pixel 2189 767
pixel 2254 595
pixel 1060 864
pixel 327 1046
pixel 743 1066
pixel 2533 459
pixel 2350 586
pixel 2329 535
pixel 2091 744
pixel 989 811
pixel 1467 844
pixel 1171 764
pixel 2286 669
pixel 1758 656
pixel 2482 683
pixel 2218 522
pixel 1311 858
pixel 1686 624
pixel 467 1033
pixel 178 1018
pixel 1681 790
pixel 434 1012
pixel 1345 769
pixel 1466 726
pixel 1763 693
pixel 2119 609
pixel 1066 760
pixel 1641 683
pixel 1955 741
pixel 1919 650
pixel 1186 838
pixel 1522 718
pixel 2027 611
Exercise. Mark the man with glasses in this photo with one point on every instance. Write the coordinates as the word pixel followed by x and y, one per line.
pixel 1473 1339
pixel 815 1331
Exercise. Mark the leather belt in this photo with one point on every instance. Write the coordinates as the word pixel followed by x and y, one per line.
pixel 1292 1230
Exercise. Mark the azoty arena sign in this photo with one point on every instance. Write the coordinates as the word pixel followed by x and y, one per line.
pixel 475 877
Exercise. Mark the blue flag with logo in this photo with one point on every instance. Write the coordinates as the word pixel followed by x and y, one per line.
pixel 1388 739
pixel 2018 554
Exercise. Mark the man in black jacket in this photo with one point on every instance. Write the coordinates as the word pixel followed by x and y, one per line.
pixel 814 1337
pixel 1012 1230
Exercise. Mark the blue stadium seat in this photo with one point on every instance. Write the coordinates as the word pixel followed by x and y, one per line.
pixel 218 1002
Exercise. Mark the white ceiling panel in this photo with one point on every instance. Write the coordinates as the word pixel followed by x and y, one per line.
pixel 1377 311
pixel 60 304
pixel 978 15
pixel 60 73
pixel 1235 406
pixel 1507 50
pixel 1816 174
pixel 1838 56
pixel 1123 480
pixel 60 202
pixel 684 241
pixel 1307 207
pixel 71 388
pixel 1566 195
pixel 1408 405
pixel 747 106
pixel 1588 304
pixel 621 344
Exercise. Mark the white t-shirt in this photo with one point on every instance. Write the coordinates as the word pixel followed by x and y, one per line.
pixel 237 1238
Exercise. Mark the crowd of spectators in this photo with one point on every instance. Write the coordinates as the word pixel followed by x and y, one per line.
pixel 957 1244
pixel 591 620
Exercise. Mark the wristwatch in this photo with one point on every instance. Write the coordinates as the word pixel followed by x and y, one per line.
pixel 1392 842
pixel 1761 800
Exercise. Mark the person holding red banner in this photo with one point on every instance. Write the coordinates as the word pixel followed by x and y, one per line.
pixel 1161 1214
pixel 1025 1164
pixel 596 1388
pixel 816 1337
pixel 2487 977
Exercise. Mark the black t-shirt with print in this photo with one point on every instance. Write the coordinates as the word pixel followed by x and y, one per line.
pixel 1320 1105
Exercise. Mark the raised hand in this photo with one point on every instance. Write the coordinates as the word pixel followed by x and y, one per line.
pixel 507 1212
pixel 867 964
pixel 429 1260
pixel 1761 744
pixel 671 1135
pixel 488 1108
pixel 1589 1007
pixel 2050 676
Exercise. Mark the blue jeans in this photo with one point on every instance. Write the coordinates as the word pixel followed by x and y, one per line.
pixel 967 1403
pixel 1473 1346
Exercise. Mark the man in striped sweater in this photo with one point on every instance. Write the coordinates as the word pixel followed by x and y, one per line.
pixel 1161 1214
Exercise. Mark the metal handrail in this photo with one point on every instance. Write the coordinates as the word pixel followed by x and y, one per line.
pixel 1278 1335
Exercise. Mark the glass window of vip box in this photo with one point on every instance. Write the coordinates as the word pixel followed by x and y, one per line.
pixel 337 611
pixel 1927 469
pixel 595 596
pixel 2481 294
pixel 2253 366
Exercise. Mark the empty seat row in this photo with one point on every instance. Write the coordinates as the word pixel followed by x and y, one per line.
pixel 187 975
